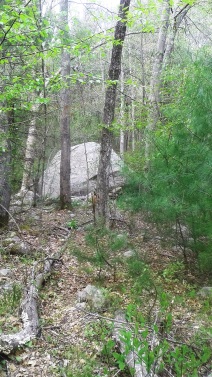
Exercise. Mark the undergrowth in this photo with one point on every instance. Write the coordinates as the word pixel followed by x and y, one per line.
pixel 153 304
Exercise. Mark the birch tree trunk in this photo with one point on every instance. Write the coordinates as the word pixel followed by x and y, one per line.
pixel 155 84
pixel 32 133
pixel 65 100
pixel 143 73
pixel 29 152
pixel 178 18
pixel 109 110
pixel 5 168
pixel 164 49
pixel 32 136
pixel 132 107
pixel 122 114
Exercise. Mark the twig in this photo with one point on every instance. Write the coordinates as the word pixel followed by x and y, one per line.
pixel 61 228
pixel 19 230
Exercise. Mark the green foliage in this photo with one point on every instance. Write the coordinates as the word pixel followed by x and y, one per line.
pixel 174 271
pixel 10 300
pixel 72 224
pixel 178 185
pixel 104 247
pixel 80 365
pixel 181 360
pixel 140 275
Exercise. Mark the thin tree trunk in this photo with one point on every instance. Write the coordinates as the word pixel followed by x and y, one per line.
pixel 143 74
pixel 29 152
pixel 5 169
pixel 32 136
pixel 132 107
pixel 155 84
pixel 65 169
pixel 122 137
pixel 109 110
pixel 178 18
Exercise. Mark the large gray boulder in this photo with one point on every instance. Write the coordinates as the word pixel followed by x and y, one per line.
pixel 84 167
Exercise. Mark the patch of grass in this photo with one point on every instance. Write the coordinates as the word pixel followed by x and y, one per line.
pixel 77 364
pixel 174 272
pixel 72 224
pixel 10 300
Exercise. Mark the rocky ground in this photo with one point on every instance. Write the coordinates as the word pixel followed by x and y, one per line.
pixel 67 339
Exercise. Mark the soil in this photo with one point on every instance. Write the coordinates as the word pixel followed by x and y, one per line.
pixel 66 341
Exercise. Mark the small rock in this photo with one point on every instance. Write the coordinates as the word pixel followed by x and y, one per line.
pixel 11 240
pixel 93 296
pixel 205 292
pixel 5 272
pixel 120 236
pixel 81 305
pixel 18 248
pixel 176 248
pixel 6 287
pixel 129 254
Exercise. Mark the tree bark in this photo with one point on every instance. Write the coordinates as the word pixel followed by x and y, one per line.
pixel 132 107
pixel 31 139
pixel 29 152
pixel 65 169
pixel 122 117
pixel 29 312
pixel 5 170
pixel 109 110
pixel 155 84
pixel 164 49
pixel 178 18
pixel 131 359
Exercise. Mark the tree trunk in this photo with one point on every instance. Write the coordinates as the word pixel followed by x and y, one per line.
pixel 122 117
pixel 65 169
pixel 29 152
pixel 109 110
pixel 132 107
pixel 32 135
pixel 143 73
pixel 5 170
pixel 178 18
pixel 164 49
pixel 155 84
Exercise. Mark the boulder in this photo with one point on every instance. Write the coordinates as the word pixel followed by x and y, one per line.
pixel 84 167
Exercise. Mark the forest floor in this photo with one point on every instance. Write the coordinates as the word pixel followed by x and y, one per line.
pixel 71 340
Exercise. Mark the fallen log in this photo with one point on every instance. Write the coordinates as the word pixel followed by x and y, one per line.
pixel 28 310
pixel 131 359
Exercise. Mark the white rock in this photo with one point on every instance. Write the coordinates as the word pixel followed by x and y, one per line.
pixel 205 292
pixel 93 296
pixel 129 254
pixel 5 272
pixel 84 168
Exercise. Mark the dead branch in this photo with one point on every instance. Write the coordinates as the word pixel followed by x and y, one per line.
pixel 29 310
pixel 132 359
